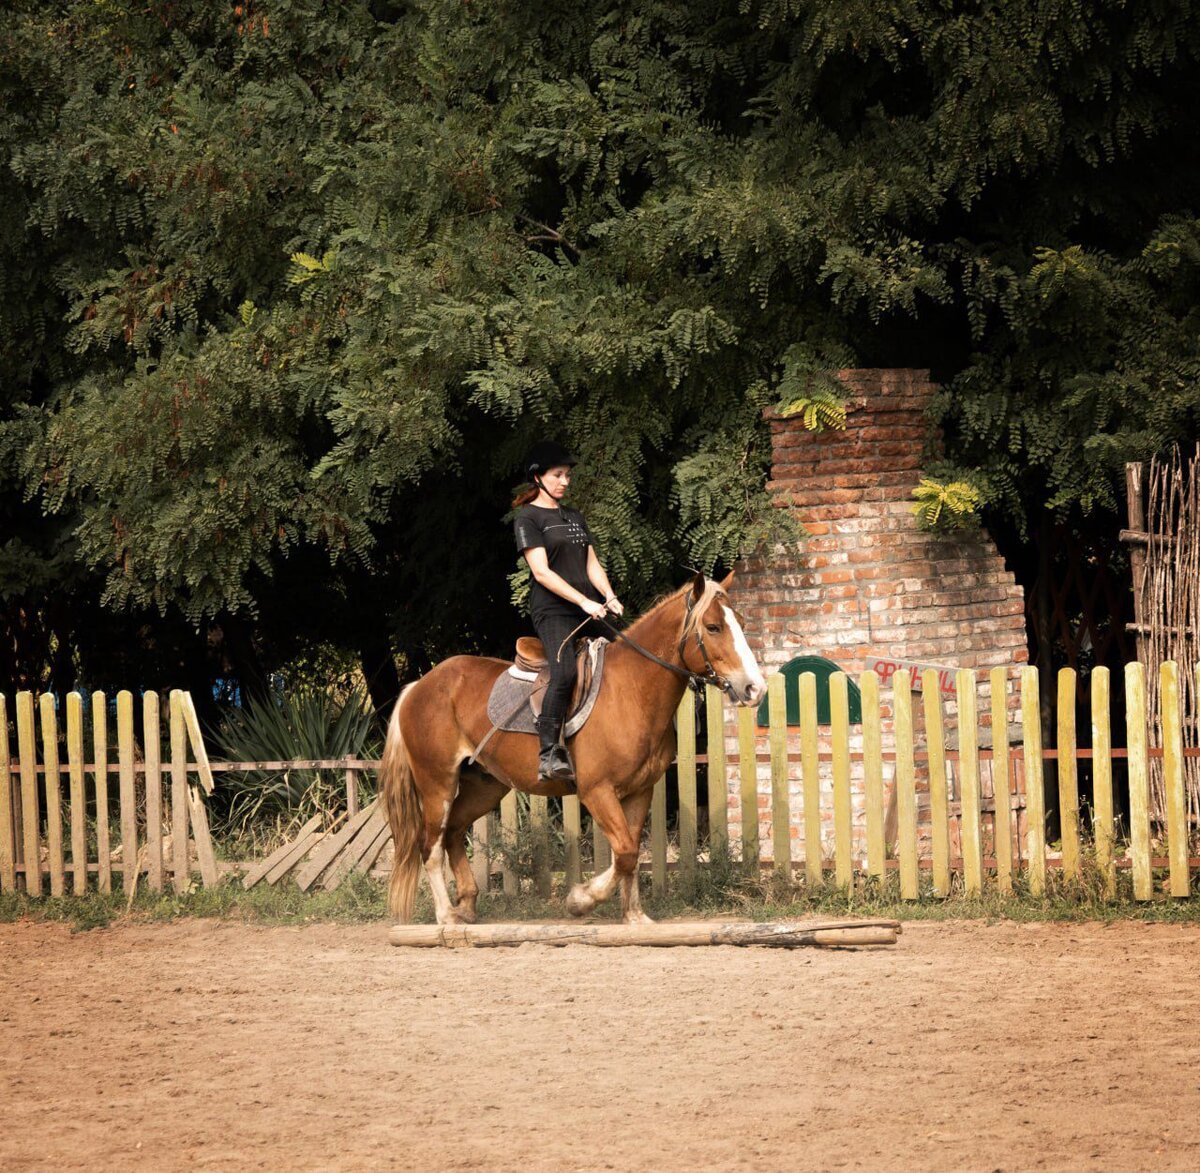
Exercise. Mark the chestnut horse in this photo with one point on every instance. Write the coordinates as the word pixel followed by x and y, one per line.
pixel 433 796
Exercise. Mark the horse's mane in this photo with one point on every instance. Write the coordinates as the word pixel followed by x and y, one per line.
pixel 712 590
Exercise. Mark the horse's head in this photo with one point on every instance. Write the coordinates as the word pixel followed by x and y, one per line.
pixel 712 641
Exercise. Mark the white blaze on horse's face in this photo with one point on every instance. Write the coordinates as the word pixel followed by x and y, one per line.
pixel 753 686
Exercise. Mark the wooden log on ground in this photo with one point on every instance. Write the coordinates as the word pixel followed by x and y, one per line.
pixel 783 934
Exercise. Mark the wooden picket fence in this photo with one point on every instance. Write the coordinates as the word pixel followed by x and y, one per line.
pixel 32 842
pixel 829 772
pixel 1094 845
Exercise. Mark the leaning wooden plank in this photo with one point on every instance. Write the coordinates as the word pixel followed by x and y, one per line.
pixel 30 816
pixel 100 774
pixel 1035 793
pixel 662 934
pixel 355 849
pixel 197 740
pixel 1172 734
pixel 152 748
pixel 935 742
pixel 1139 780
pixel 75 760
pixel 260 869
pixel 301 846
pixel 129 844
pixel 367 862
pixel 8 831
pixel 198 817
pixel 180 863
pixel 331 846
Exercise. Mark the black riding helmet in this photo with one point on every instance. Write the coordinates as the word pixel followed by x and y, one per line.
pixel 546 454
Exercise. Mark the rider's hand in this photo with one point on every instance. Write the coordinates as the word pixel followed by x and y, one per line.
pixel 614 606
pixel 595 610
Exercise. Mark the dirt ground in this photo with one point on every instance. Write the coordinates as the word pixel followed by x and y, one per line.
pixel 212 1045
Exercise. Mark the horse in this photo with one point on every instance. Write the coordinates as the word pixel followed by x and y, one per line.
pixel 433 793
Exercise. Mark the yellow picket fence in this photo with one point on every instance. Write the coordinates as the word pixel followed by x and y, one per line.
pixel 32 843
pixel 912 764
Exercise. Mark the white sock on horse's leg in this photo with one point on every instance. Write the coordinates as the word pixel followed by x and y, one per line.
pixel 435 869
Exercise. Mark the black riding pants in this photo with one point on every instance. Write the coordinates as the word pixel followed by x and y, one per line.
pixel 552 628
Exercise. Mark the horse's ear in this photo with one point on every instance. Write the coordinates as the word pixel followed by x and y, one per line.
pixel 698 585
pixel 727 582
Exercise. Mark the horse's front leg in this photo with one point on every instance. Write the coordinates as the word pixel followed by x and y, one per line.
pixel 607 810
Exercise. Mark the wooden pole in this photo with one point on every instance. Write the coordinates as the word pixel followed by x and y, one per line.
pixel 1002 831
pixel 781 813
pixel 748 778
pixel 810 766
pixel 873 773
pixel 1172 734
pixel 685 764
pixel 508 832
pixel 661 934
pixel 968 764
pixel 906 794
pixel 351 793
pixel 152 749
pixel 939 817
pixel 53 781
pixel 572 834
pixel 1035 793
pixel 1068 775
pixel 1102 787
pixel 718 779
pixel 1136 512
pixel 539 826
pixel 129 840
pixel 100 762
pixel 30 815
pixel 8 831
pixel 1139 780
pixel 75 760
pixel 839 706
pixel 180 861
pixel 658 838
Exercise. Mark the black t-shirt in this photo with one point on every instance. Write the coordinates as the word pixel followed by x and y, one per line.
pixel 565 536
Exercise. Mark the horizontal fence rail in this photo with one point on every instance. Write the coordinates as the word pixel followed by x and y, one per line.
pixel 936 789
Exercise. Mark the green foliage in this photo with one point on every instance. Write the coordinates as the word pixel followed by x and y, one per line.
pixel 283 301
pixel 950 506
pixel 306 724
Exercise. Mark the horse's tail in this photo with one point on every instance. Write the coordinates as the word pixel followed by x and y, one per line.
pixel 403 803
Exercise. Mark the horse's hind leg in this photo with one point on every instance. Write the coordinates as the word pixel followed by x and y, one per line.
pixel 478 793
pixel 636 808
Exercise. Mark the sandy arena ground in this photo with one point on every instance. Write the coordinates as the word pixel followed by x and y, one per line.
pixel 220 1046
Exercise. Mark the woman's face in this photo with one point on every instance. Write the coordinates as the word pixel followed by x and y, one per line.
pixel 556 481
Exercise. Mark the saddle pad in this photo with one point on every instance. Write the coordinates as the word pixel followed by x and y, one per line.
pixel 510 690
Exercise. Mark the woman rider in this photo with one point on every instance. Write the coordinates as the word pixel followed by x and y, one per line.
pixel 569 587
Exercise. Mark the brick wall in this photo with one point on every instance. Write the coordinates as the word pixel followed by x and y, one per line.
pixel 868 581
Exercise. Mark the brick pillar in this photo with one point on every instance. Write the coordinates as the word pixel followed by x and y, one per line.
pixel 868 581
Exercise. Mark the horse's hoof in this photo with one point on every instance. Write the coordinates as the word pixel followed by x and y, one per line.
pixel 638 918
pixel 453 917
pixel 465 913
pixel 579 902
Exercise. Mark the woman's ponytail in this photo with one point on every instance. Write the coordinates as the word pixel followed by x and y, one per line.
pixel 524 496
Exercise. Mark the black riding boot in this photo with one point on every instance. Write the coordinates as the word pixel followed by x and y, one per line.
pixel 554 763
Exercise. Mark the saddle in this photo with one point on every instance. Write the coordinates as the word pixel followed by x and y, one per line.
pixel 516 698
pixel 531 663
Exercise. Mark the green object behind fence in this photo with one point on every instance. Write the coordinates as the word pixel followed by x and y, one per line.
pixel 822 669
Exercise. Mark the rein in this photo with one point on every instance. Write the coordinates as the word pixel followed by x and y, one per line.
pixel 695 680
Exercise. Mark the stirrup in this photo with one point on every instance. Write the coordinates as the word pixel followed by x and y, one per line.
pixel 554 764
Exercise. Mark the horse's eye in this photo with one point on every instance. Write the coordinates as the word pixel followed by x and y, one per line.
pixel 713 627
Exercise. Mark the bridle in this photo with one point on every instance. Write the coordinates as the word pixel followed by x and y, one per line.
pixel 695 680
